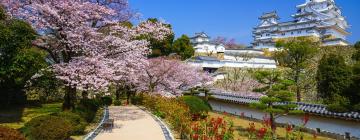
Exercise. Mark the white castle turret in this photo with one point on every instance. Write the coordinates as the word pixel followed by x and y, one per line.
pixel 316 18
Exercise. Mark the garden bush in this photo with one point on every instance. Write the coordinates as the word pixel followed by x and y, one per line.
pixel 197 105
pixel 172 110
pixel 10 134
pixel 78 124
pixel 137 100
pixel 106 100
pixel 87 109
pixel 336 107
pixel 117 103
pixel 48 127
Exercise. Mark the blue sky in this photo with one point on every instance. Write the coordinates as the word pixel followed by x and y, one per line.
pixel 231 18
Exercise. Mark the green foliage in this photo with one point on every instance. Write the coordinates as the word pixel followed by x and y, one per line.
pixel 356 55
pixel 296 53
pixel 45 88
pixel 277 92
pixel 9 133
pixel 117 103
pixel 357 45
pixel 333 77
pixel 197 105
pixel 47 128
pixel 137 99
pixel 2 13
pixel 78 124
pixel 160 47
pixel 19 61
pixel 182 46
pixel 267 77
pixel 172 110
pixel 106 100
pixel 339 104
pixel 127 24
pixel 87 109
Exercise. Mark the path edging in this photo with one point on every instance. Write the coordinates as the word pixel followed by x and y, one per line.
pixel 95 132
pixel 166 131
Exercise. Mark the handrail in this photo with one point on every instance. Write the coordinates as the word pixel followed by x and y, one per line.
pixel 96 131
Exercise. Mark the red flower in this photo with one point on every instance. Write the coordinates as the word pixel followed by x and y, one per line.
pixel 195 137
pixel 261 132
pixel 225 113
pixel 289 128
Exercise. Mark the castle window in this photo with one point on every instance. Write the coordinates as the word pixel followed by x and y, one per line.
pixel 267 34
pixel 292 33
pixel 299 32
pixel 283 34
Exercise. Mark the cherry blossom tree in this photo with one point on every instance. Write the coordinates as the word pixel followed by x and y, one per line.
pixel 83 56
pixel 165 75
pixel 228 43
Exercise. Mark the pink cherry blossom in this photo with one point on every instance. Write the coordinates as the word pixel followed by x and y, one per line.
pixel 165 75
pixel 88 47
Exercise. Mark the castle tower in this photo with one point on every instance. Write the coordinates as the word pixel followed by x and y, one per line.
pixel 316 18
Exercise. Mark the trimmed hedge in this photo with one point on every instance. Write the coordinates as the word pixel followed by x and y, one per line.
pixel 10 134
pixel 197 105
pixel 78 124
pixel 48 127
pixel 117 103
pixel 87 109
pixel 106 100
pixel 137 100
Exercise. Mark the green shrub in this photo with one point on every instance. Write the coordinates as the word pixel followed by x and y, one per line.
pixel 337 108
pixel 357 107
pixel 87 109
pixel 173 110
pixel 10 134
pixel 137 100
pixel 197 106
pixel 186 93
pixel 117 103
pixel 48 127
pixel 160 114
pixel 78 124
pixel 107 100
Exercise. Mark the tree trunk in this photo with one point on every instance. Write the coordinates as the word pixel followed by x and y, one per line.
pixel 273 126
pixel 69 98
pixel 206 95
pixel 298 94
pixel 117 93
pixel 128 95
pixel 85 95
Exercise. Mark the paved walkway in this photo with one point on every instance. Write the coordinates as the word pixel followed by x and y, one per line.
pixel 132 123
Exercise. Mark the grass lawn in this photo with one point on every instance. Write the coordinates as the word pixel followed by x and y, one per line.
pixel 17 117
pixel 243 124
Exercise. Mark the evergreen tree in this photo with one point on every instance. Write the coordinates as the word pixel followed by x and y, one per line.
pixel 19 61
pixel 295 53
pixel 334 78
pixel 278 91
pixel 182 46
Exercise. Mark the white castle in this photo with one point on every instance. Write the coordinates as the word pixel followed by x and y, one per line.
pixel 317 18
pixel 202 44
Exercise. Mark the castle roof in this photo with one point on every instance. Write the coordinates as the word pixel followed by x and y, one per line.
pixel 272 14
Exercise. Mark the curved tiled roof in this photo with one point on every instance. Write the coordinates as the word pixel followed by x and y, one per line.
pixel 316 109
